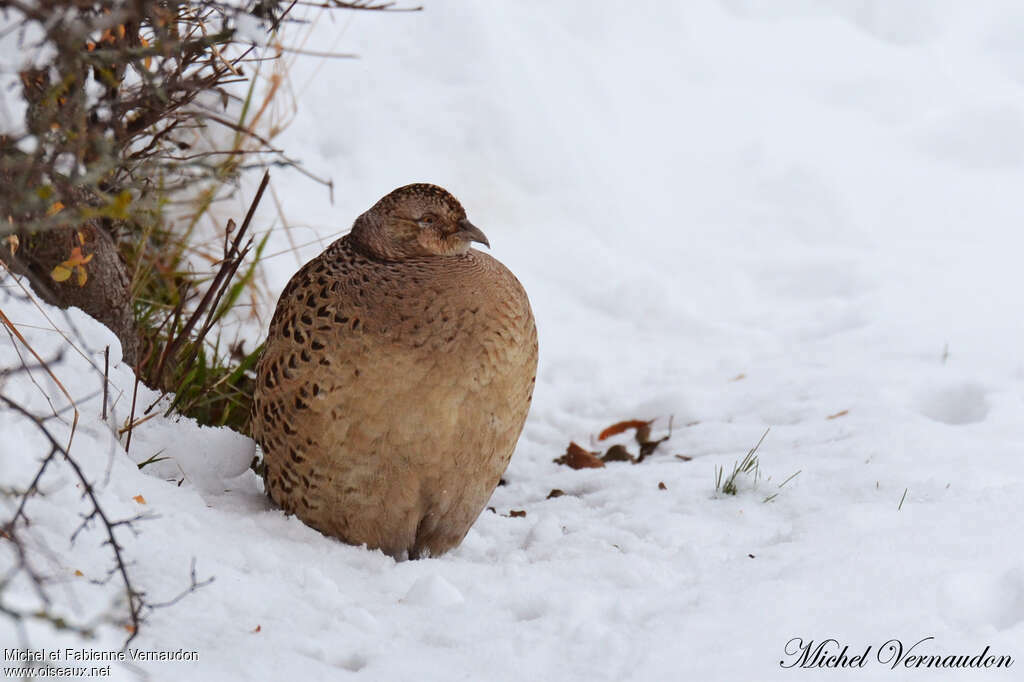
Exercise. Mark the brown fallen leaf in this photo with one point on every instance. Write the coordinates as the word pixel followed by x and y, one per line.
pixel 739 377
pixel 516 513
pixel 578 458
pixel 648 446
pixel 257 628
pixel 140 499
pixel 643 434
pixel 685 458
pixel 617 453
pixel 837 415
pixel 662 486
pixel 78 573
pixel 555 492
pixel 619 427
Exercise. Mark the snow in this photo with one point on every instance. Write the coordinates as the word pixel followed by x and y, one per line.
pixel 741 215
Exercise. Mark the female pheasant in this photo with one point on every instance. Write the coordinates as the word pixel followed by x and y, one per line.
pixel 396 379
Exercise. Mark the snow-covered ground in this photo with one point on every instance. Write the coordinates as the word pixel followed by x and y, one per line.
pixel 804 215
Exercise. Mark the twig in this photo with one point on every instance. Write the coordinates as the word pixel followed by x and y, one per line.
pixel 131 417
pixel 106 380
pixel 194 585
pixel 316 53
pixel 135 598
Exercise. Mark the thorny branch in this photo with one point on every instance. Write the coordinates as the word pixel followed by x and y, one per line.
pixel 15 532
pixel 134 596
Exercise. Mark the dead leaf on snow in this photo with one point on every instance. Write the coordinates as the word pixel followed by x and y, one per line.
pixel 619 427
pixel 578 458
pixel 617 453
pixel 648 446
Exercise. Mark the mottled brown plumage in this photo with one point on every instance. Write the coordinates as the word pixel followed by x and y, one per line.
pixel 396 378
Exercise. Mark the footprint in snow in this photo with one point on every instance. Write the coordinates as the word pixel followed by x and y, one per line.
pixel 980 599
pixel 962 403
pixel 354 663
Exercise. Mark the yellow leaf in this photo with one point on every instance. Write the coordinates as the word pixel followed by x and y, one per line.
pixel 120 204
pixel 77 258
pixel 79 573
pixel 140 499
pixel 55 208
pixel 60 273
pixel 82 275
pixel 12 243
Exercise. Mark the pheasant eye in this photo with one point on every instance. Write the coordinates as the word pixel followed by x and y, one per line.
pixel 426 221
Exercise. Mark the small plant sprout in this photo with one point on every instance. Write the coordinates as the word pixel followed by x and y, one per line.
pixel 153 459
pixel 749 465
pixel 791 477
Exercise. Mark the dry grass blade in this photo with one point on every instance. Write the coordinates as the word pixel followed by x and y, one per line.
pixel 14 330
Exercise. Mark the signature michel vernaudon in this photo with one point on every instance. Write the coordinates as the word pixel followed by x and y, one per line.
pixel 831 653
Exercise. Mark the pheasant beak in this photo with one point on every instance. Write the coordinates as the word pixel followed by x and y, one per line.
pixel 472 233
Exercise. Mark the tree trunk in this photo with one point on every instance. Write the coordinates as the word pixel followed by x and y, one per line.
pixel 105 291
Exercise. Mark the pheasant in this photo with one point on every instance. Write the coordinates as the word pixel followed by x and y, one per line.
pixel 396 379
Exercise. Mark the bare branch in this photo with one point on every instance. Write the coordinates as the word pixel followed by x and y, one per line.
pixel 135 598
